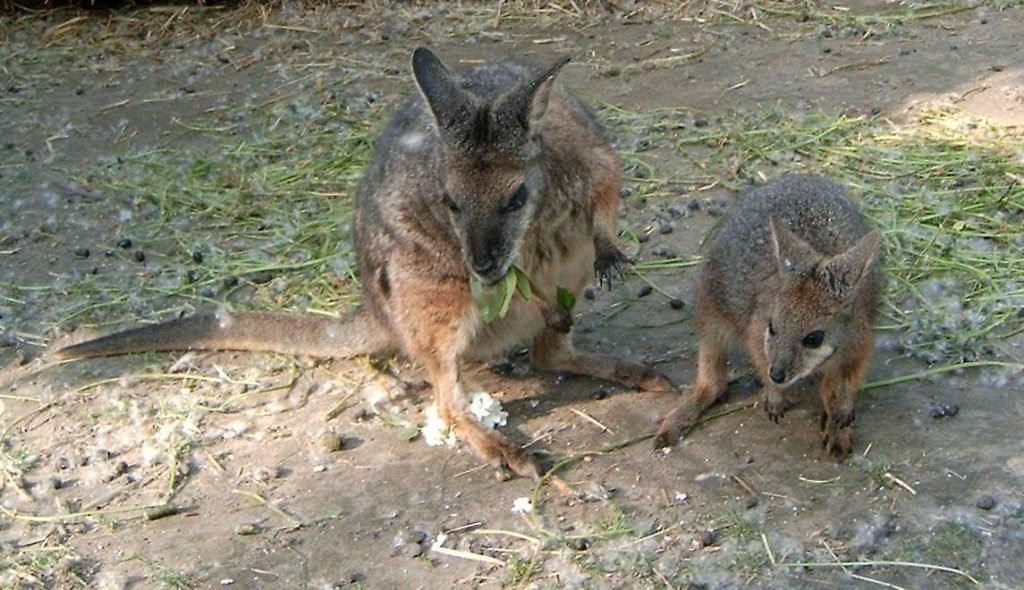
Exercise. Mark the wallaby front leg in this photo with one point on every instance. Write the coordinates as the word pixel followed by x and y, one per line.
pixel 553 351
pixel 840 385
pixel 712 380
pixel 772 396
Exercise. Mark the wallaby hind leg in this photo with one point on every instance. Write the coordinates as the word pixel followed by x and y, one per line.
pixel 712 380
pixel 554 351
pixel 435 336
pixel 771 394
pixel 840 384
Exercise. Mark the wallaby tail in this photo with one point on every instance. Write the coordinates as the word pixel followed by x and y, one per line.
pixel 359 333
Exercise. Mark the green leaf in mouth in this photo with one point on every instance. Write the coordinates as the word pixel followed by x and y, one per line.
pixel 494 300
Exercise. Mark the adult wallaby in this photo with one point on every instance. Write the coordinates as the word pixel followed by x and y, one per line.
pixel 490 167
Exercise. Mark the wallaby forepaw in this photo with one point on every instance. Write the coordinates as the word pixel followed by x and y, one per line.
pixel 775 406
pixel 839 443
pixel 608 262
pixel 837 434
pixel 557 318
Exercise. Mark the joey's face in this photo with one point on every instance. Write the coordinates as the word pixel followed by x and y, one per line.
pixel 491 210
pixel 800 333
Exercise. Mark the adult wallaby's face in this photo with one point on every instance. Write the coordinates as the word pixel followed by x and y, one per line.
pixel 491 208
pixel 805 326
pixel 491 150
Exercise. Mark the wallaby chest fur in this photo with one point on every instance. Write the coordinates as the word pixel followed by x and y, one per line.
pixel 794 274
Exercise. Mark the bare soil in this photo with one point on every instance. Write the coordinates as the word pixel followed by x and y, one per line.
pixel 237 441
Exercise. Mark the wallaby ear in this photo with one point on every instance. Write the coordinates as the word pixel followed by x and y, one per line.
pixel 449 103
pixel 794 256
pixel 842 272
pixel 523 107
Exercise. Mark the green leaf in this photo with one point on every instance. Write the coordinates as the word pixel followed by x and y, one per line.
pixel 493 301
pixel 486 298
pixel 507 288
pixel 565 298
pixel 523 283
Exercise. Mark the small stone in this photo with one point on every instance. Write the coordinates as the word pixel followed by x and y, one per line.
pixel 665 227
pixel 985 502
pixel 600 393
pixel 644 290
pixel 707 537
pixel 56 483
pixel 81 252
pixel 590 293
pixel 943 410
pixel 698 123
pixel 662 251
pixel 140 256
pixel 675 212
pixel 693 205
pixel 231 282
pixel 192 276
pixel 247 529
pixel 197 257
pixel 331 442
pixel 411 550
pixel 124 243
pixel 643 237
pixel 750 502
pixel 676 303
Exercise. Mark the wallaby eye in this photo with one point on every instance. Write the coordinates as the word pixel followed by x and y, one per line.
pixel 814 339
pixel 771 328
pixel 449 202
pixel 517 201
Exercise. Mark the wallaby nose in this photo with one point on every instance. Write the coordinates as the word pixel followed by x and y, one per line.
pixel 777 375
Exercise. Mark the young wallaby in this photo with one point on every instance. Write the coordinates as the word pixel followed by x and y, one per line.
pixel 794 273
pixel 492 167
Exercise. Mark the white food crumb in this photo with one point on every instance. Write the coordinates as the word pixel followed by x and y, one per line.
pixel 487 410
pixel 522 505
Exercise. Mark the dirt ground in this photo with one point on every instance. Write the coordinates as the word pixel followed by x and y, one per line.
pixel 242 445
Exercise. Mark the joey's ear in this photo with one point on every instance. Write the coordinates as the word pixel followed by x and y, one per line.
pixel 449 103
pixel 794 256
pixel 523 107
pixel 841 273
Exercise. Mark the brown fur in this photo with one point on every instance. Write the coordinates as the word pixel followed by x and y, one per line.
pixel 492 167
pixel 795 258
